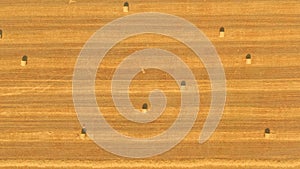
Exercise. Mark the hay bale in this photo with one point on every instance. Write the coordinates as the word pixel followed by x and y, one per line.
pixel 267 133
pixel 222 32
pixel 83 133
pixel 248 59
pixel 83 130
pixel 183 85
pixel 24 60
pixel 145 108
pixel 126 7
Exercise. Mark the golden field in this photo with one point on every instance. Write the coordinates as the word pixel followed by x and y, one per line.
pixel 38 121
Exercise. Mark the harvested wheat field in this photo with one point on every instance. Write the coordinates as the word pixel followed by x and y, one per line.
pixel 39 124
